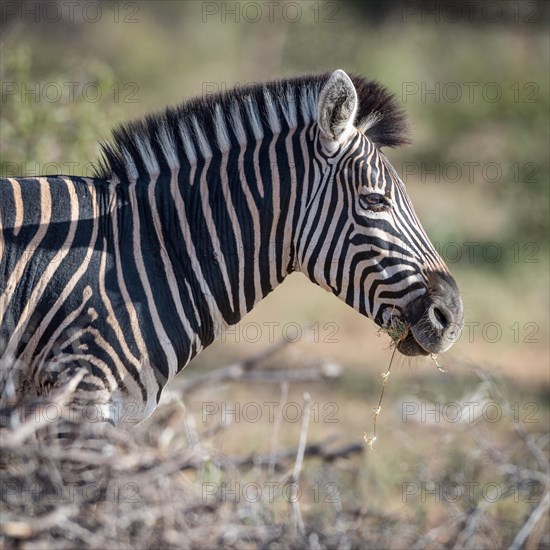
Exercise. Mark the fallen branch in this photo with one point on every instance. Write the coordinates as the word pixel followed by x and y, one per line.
pixel 247 370
pixel 312 450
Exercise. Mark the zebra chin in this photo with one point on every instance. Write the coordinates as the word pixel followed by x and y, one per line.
pixel 410 347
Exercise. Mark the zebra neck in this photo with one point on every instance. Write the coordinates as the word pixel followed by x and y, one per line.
pixel 221 233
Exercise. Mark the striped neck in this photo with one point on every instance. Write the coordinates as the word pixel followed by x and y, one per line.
pixel 219 206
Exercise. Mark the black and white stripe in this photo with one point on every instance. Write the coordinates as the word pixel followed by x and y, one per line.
pixel 194 216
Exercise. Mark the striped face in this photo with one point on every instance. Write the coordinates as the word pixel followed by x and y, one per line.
pixel 366 243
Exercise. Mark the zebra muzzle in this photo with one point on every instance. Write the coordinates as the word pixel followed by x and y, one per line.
pixel 436 318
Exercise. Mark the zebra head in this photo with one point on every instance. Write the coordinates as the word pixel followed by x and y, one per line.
pixel 362 239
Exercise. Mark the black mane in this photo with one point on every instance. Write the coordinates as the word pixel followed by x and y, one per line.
pixel 379 110
pixel 378 116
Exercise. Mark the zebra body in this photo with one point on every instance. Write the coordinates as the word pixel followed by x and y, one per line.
pixel 197 214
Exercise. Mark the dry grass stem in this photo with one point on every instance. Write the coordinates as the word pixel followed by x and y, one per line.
pixel 370 440
pixel 433 357
pixel 297 520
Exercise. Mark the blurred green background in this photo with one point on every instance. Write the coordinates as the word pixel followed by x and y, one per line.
pixel 473 79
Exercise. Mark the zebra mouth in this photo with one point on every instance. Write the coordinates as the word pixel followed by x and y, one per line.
pixel 410 347
pixel 401 332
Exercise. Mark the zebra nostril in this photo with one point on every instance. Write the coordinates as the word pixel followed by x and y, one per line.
pixel 439 317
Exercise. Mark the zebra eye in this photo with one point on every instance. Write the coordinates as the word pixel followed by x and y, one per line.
pixel 374 202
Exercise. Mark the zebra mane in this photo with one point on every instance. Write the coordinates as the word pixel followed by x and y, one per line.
pixel 199 126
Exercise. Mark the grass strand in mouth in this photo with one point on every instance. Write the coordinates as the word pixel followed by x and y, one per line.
pixel 370 440
pixel 397 331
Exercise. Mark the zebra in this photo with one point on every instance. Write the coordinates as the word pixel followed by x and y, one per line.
pixel 195 214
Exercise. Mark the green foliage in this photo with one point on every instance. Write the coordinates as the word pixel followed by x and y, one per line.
pixel 53 125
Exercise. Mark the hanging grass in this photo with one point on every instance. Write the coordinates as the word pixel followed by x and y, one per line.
pixel 397 330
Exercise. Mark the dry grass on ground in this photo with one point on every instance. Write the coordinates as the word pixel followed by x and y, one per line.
pixel 168 485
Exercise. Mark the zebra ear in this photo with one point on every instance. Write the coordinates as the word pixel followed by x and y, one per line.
pixel 336 107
